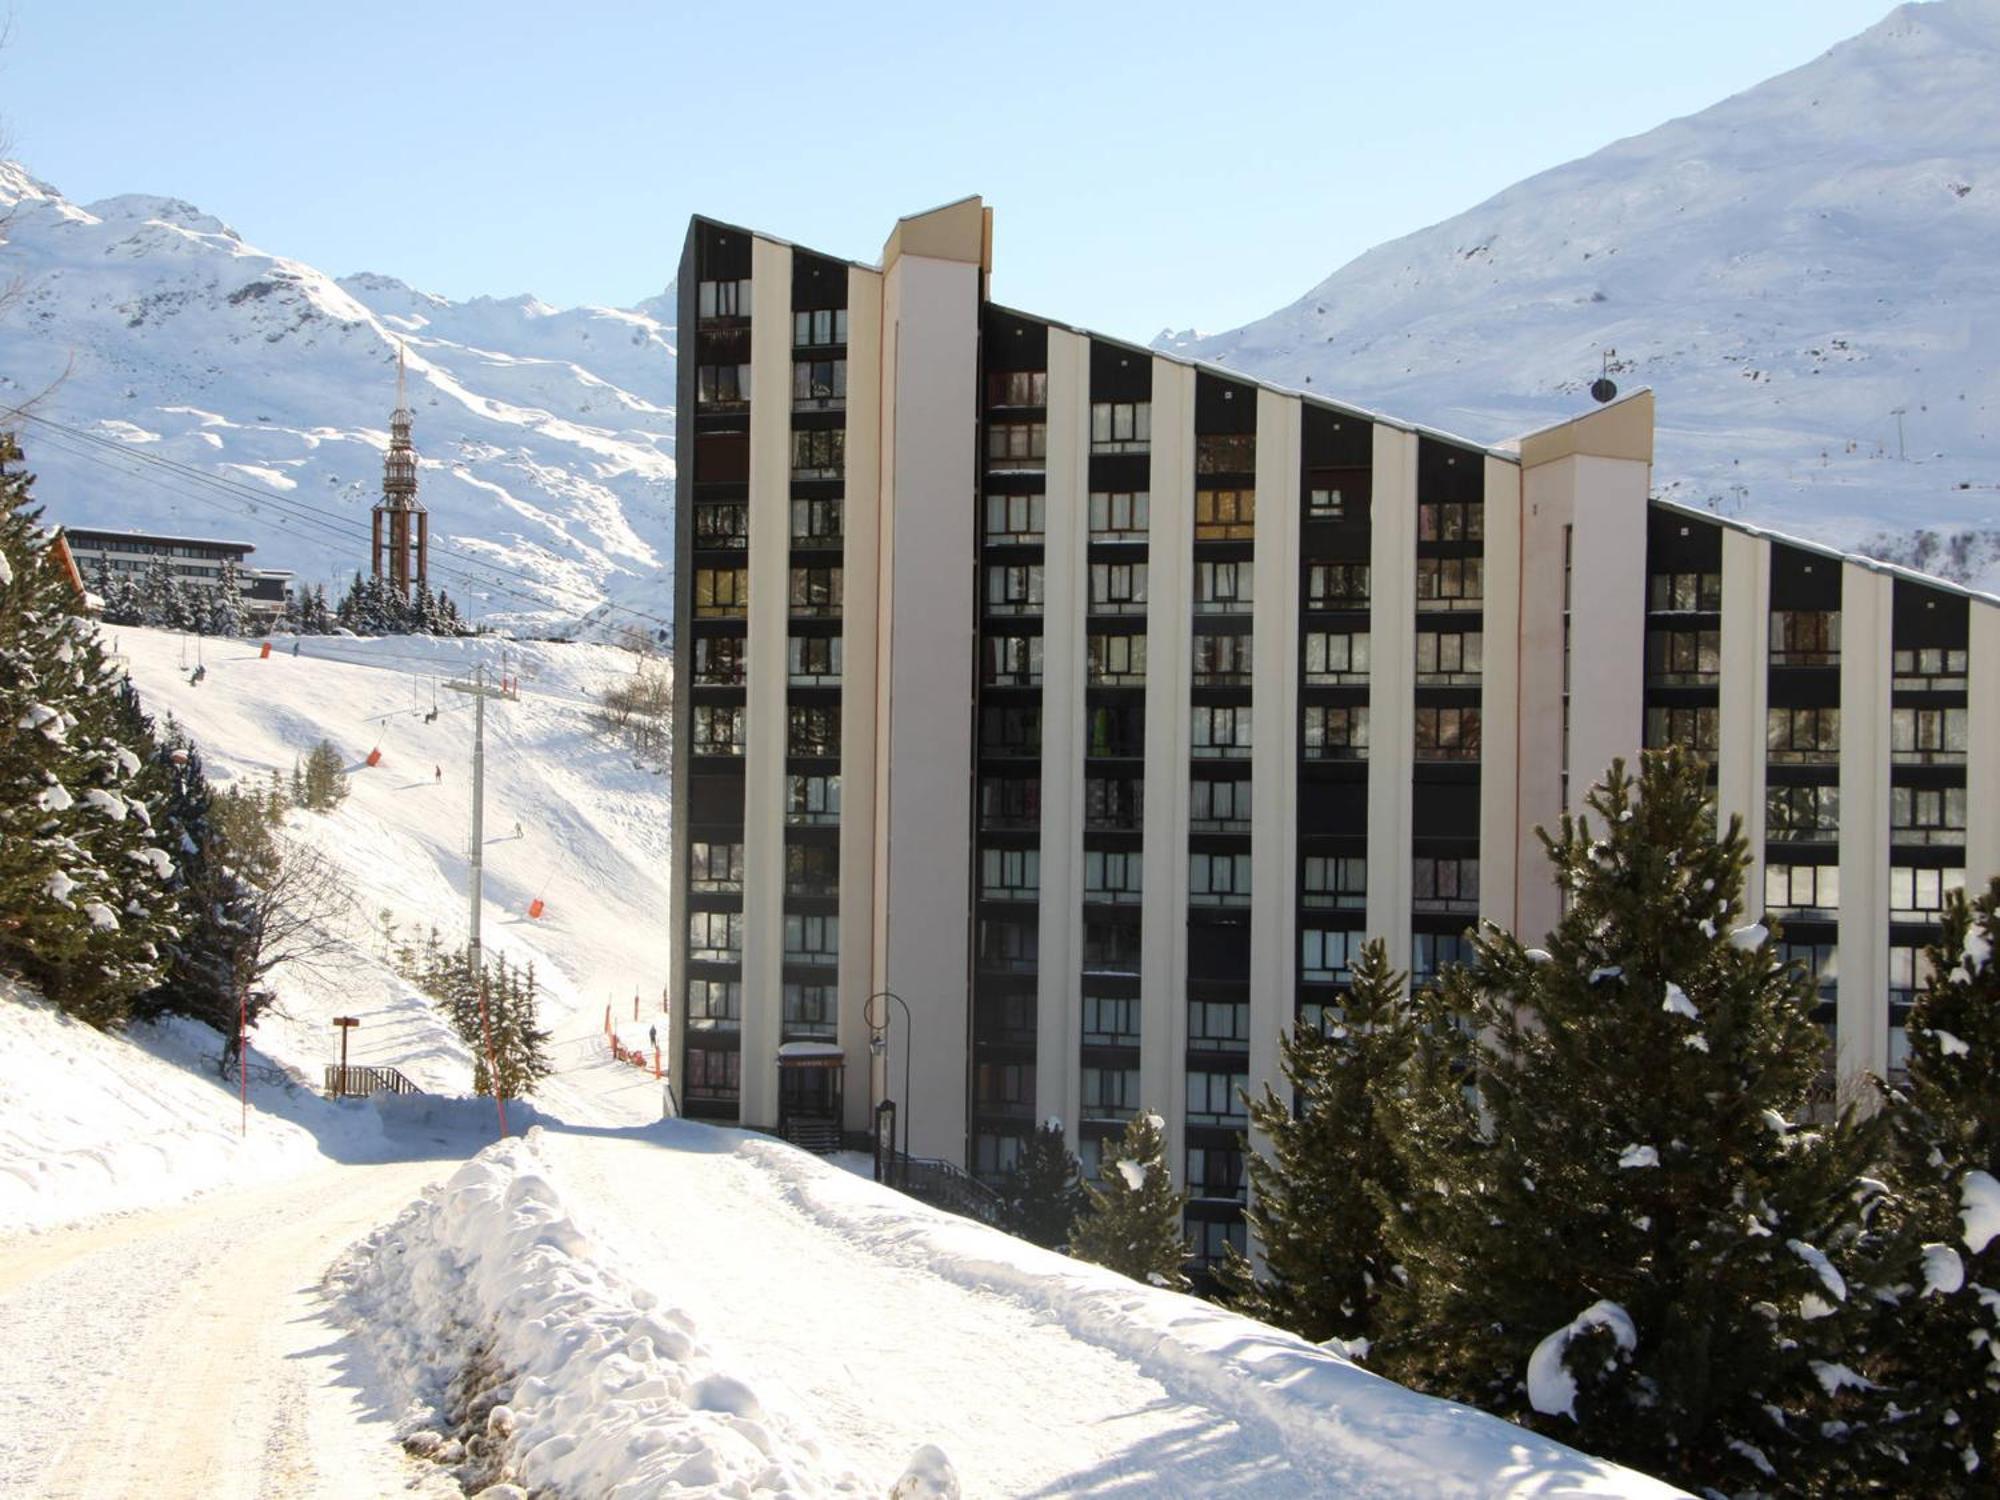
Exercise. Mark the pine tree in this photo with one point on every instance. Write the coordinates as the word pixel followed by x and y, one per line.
pixel 1645 1257
pixel 1132 1222
pixel 322 786
pixel 348 615
pixel 520 1048
pixel 159 599
pixel 1315 1200
pixel 1941 1359
pixel 225 615
pixel 1043 1192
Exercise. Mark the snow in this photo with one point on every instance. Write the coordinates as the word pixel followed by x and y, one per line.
pixel 59 886
pixel 930 1476
pixel 1980 1195
pixel 1950 1045
pixel 1829 1277
pixel 1944 1270
pixel 109 803
pixel 1538 956
pixel 1756 935
pixel 1835 1378
pixel 1551 1388
pixel 810 1049
pixel 55 798
pixel 102 917
pixel 1677 1002
pixel 1639 1156
pixel 1133 1173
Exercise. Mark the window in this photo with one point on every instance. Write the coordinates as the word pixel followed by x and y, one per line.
pixel 713 1075
pixel 714 1002
pixel 811 1011
pixel 1333 880
pixel 1017 445
pixel 1337 586
pixel 1820 963
pixel 1010 874
pixel 718 729
pixel 1008 730
pixel 1810 814
pixel 723 299
pixel 1805 637
pixel 1450 583
pixel 1009 946
pixel 1215 1172
pixel 1117 732
pixel 1121 426
pixel 1927 736
pixel 1449 656
pixel 1114 803
pixel 1220 732
pixel 721 593
pixel 1218 806
pixel 814 327
pixel 1927 815
pixel 815 730
pixel 722 385
pixel 1218 1023
pixel 1218 879
pixel 1918 895
pixel 1017 388
pixel 1698 729
pixel 819 453
pixel 811 939
pixel 1909 974
pixel 715 867
pixel 716 936
pixel 1931 668
pixel 814 660
pixel 1447 733
pixel 1117 516
pixel 1110 1020
pixel 1225 515
pixel 721 523
pixel 1444 884
pixel 1116 660
pixel 1336 731
pixel 1222 588
pixel 1110 948
pixel 1336 656
pixel 1110 1093
pixel 1014 518
pixel 1118 588
pixel 812 870
pixel 1012 660
pixel 812 799
pixel 1010 801
pixel 1683 656
pixel 1684 593
pixel 1221 660
pixel 1803 735
pixel 1216 1098
pixel 1451 521
pixel 1111 877
pixel 1225 453
pixel 994 1155
pixel 720 660
pixel 1014 588
pixel 1327 504
pixel 1004 1089
pixel 815 592
pixel 1802 889
pixel 816 523
pixel 819 384
pixel 1431 953
pixel 1215 1238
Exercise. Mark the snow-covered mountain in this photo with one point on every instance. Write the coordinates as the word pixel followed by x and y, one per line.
pixel 1789 270
pixel 545 434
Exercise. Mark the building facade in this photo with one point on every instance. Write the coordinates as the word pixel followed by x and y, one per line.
pixel 196 561
pixel 1099 706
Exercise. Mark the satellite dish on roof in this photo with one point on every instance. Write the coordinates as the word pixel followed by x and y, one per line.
pixel 1602 390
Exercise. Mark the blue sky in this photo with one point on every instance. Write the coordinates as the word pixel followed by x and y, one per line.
pixel 1168 164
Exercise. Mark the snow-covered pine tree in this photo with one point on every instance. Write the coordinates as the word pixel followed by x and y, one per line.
pixel 159 599
pixel 1939 1358
pixel 1315 1199
pixel 520 1047
pixel 322 784
pixel 82 879
pixel 1132 1221
pixel 225 614
pixel 1644 1258
pixel 348 614
pixel 1043 1192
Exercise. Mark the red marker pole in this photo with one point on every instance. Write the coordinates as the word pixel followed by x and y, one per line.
pixel 635 1007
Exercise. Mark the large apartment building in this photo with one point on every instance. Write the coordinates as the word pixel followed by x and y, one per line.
pixel 1099 706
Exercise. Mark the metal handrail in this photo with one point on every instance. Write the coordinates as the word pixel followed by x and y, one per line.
pixel 356 1081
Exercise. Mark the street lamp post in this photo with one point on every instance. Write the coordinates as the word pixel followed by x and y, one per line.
pixel 878 1041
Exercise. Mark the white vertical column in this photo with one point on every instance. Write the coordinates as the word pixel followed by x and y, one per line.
pixel 1607 619
pixel 1982 748
pixel 765 725
pixel 1866 614
pixel 1059 987
pixel 1392 624
pixel 861 518
pixel 1744 695
pixel 1500 696
pixel 1169 619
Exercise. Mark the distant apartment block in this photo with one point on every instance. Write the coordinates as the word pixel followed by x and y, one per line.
pixel 1100 706
pixel 197 561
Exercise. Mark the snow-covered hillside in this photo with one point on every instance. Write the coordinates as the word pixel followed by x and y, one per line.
pixel 1787 269
pixel 546 434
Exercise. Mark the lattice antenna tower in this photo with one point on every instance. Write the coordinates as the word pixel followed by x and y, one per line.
pixel 402 528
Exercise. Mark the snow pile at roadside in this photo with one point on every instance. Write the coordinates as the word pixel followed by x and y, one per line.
pixel 517 1356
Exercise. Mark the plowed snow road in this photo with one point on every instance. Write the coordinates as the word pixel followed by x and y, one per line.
pixel 187 1352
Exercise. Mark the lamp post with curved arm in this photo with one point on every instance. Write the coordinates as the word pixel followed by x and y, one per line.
pixel 878 1042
